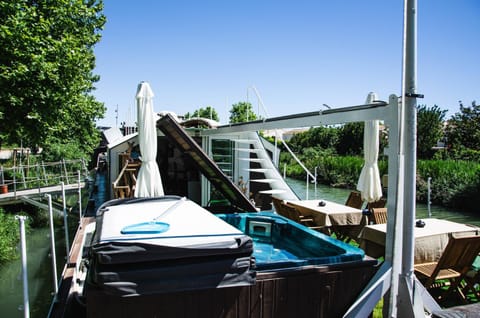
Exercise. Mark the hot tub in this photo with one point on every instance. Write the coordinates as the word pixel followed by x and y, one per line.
pixel 281 243
pixel 298 272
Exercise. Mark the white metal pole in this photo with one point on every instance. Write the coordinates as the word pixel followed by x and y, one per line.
pixel 316 182
pixel 405 301
pixel 306 196
pixel 429 191
pixel 52 244
pixel 79 197
pixel 26 306
pixel 65 222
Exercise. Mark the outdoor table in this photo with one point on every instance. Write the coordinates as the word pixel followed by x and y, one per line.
pixel 430 240
pixel 333 216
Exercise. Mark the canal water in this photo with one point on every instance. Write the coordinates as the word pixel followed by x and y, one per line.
pixel 40 275
pixel 40 266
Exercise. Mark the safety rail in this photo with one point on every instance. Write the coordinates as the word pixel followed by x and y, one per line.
pixel 41 174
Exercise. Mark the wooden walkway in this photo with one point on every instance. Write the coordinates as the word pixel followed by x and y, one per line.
pixel 15 196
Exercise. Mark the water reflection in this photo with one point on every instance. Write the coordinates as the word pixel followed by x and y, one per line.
pixel 40 277
pixel 340 196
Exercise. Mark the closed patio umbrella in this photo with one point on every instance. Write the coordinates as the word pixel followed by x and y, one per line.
pixel 369 181
pixel 149 182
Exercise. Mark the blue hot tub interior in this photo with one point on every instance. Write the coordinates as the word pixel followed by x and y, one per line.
pixel 280 242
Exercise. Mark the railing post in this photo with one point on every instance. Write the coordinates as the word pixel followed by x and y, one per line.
pixel 79 198
pixel 44 173
pixel 84 166
pixel 306 196
pixel 429 191
pixel 52 245
pixel 14 181
pixel 65 169
pixel 65 222
pixel 315 186
pixel 37 173
pixel 23 177
pixel 284 171
pixel 26 306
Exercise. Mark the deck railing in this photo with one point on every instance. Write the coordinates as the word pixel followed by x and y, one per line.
pixel 41 174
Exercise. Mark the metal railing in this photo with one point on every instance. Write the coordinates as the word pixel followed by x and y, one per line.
pixel 41 174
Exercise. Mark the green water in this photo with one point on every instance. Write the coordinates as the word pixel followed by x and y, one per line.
pixel 40 277
pixel 340 196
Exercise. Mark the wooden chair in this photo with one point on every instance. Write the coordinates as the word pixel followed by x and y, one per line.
pixel 377 204
pixel 452 266
pixel 277 202
pixel 472 279
pixel 354 200
pixel 378 215
pixel 295 215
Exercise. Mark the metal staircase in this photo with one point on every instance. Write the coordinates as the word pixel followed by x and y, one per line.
pixel 264 175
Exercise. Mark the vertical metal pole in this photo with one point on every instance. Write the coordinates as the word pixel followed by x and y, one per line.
pixel 44 173
pixel 65 222
pixel 14 181
pixel 26 306
pixel 66 173
pixel 284 171
pixel 406 307
pixel 308 177
pixel 429 191
pixel 23 177
pixel 52 244
pixel 275 161
pixel 38 176
pixel 315 182
pixel 79 197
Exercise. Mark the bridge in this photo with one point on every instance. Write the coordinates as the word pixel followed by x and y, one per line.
pixel 31 182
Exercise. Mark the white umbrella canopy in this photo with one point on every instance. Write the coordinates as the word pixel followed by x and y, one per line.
pixel 369 181
pixel 149 182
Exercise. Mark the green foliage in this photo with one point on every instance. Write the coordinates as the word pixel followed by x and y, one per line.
pixel 59 149
pixel 452 182
pixel 46 63
pixel 207 112
pixel 333 170
pixel 242 112
pixel 321 137
pixel 463 131
pixel 9 236
pixel 429 129
pixel 350 139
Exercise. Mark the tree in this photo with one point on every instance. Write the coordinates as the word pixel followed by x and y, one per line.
pixel 46 79
pixel 429 129
pixel 207 112
pixel 242 112
pixel 350 139
pixel 318 137
pixel 463 131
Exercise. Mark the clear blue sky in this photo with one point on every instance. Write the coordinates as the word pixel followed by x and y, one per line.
pixel 298 54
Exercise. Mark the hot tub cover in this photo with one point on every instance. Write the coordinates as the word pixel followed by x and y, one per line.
pixel 198 250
